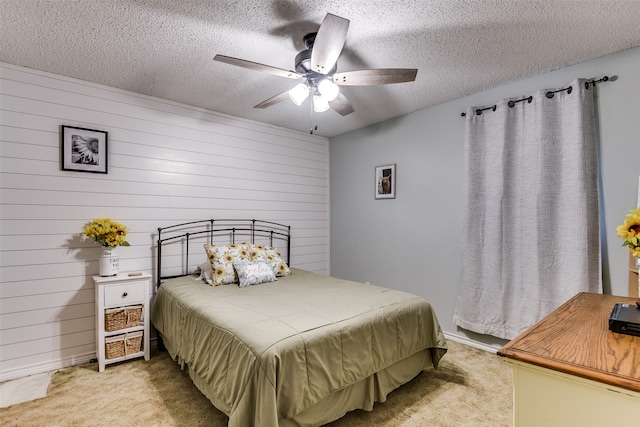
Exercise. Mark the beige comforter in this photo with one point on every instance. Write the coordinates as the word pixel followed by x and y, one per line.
pixel 265 353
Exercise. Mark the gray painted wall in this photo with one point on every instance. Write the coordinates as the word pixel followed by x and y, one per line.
pixel 413 242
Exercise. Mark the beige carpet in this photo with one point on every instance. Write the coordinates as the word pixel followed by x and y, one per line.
pixel 470 388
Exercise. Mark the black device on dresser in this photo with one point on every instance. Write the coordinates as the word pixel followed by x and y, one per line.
pixel 625 319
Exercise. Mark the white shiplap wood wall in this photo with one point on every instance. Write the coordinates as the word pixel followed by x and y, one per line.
pixel 168 163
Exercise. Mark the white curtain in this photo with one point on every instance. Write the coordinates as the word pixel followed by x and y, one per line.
pixel 531 236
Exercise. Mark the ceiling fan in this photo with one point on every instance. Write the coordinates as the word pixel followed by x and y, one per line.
pixel 317 66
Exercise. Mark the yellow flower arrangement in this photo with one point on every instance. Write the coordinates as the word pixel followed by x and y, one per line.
pixel 106 232
pixel 630 232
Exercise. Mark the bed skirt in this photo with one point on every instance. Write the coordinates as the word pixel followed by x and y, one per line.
pixel 361 395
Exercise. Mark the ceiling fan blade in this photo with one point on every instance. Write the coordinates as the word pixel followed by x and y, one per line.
pixel 341 105
pixel 273 100
pixel 380 76
pixel 328 43
pixel 257 67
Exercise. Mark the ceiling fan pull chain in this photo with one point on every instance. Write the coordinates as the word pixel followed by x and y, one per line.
pixel 314 126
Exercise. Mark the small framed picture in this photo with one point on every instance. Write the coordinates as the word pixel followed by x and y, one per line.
pixel 385 182
pixel 84 150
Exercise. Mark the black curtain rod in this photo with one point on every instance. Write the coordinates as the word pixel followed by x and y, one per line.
pixel 550 94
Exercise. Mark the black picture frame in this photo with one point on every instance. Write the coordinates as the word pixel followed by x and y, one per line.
pixel 84 150
pixel 385 181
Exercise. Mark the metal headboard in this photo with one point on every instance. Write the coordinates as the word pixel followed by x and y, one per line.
pixel 218 231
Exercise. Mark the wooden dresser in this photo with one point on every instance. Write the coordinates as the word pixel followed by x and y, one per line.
pixel 570 370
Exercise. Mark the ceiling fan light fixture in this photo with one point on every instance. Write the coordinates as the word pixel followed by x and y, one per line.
pixel 328 89
pixel 320 104
pixel 317 66
pixel 299 93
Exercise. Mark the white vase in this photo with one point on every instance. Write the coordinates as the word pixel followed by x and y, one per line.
pixel 109 263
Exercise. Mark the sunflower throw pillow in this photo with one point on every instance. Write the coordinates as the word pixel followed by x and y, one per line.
pixel 272 256
pixel 222 258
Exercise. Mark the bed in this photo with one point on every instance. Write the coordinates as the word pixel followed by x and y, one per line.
pixel 295 349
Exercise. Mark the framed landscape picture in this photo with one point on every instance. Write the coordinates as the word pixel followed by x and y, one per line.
pixel 84 150
pixel 385 182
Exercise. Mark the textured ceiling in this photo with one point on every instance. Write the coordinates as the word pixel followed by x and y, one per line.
pixel 165 48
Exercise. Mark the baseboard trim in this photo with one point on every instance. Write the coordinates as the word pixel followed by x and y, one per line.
pixel 472 343
pixel 52 365
pixel 55 365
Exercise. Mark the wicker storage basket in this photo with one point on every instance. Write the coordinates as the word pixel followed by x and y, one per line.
pixel 114 346
pixel 133 342
pixel 122 317
pixel 123 345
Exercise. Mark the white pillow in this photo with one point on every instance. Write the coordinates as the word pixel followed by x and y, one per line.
pixel 206 272
pixel 254 272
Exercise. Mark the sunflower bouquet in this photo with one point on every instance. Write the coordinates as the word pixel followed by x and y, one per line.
pixel 630 232
pixel 106 232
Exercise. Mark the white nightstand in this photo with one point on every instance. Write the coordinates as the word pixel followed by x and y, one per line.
pixel 120 297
